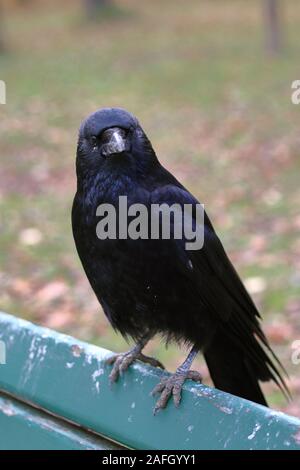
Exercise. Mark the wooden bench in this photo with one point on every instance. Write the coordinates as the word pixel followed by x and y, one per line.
pixel 54 394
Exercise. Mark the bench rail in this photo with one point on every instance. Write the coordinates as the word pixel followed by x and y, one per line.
pixel 48 375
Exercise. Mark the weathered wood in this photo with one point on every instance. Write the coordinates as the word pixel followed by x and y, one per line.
pixel 70 379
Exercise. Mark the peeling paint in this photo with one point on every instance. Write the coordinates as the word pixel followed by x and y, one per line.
pixel 226 410
pixel 30 362
pixel 296 437
pixel 89 359
pixel 76 350
pixel 97 373
pixel 255 430
pixel 69 365
pixel 7 409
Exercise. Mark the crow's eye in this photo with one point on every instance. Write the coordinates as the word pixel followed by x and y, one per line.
pixel 94 141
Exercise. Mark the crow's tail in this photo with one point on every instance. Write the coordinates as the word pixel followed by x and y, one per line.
pixel 235 371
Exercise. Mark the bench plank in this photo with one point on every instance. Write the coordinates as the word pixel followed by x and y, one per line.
pixel 29 429
pixel 70 379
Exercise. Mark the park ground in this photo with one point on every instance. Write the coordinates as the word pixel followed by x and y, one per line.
pixel 219 114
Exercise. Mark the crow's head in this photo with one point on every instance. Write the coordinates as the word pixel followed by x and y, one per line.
pixel 113 137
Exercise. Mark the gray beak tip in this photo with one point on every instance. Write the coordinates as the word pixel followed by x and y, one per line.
pixel 116 142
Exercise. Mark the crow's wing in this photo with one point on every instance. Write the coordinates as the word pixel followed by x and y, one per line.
pixel 220 287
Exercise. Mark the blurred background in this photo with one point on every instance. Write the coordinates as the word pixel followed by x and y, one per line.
pixel 210 81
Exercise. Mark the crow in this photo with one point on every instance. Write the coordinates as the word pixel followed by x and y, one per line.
pixel 156 286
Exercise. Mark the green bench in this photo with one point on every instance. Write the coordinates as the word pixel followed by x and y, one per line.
pixel 55 394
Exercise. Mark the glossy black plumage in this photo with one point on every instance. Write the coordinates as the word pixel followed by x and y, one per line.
pixel 157 286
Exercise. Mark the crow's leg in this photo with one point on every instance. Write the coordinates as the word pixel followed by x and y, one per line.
pixel 122 361
pixel 172 385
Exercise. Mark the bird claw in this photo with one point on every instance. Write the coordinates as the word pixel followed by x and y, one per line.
pixel 150 360
pixel 122 361
pixel 172 385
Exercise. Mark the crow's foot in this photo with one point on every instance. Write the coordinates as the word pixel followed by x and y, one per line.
pixel 122 361
pixel 150 360
pixel 172 386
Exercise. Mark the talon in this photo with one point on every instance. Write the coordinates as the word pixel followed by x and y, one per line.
pixel 122 361
pixel 194 375
pixel 151 360
pixel 163 400
pixel 173 386
pixel 124 364
pixel 110 360
pixel 160 386
pixel 114 375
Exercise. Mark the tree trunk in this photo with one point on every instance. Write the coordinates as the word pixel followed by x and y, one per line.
pixel 273 31
pixel 94 7
pixel 1 32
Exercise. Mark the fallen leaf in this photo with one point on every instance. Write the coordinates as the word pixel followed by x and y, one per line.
pixel 255 285
pixel 51 292
pixel 21 287
pixel 58 319
pixel 30 236
pixel 279 332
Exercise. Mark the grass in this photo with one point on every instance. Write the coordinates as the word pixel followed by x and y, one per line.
pixel 219 114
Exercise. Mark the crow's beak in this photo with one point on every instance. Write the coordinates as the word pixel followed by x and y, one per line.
pixel 114 141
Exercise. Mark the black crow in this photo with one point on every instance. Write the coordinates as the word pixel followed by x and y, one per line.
pixel 157 286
